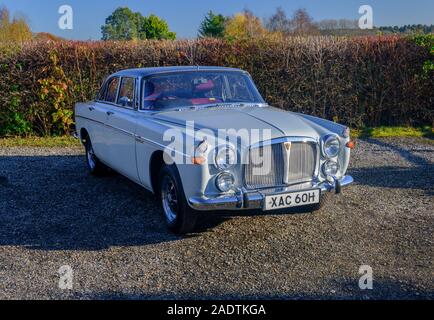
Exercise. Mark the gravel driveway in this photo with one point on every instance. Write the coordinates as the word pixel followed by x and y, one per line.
pixel 111 233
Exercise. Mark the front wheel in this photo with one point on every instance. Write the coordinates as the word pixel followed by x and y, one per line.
pixel 179 217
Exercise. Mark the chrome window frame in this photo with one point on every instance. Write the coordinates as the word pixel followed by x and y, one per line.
pixel 134 93
pixel 106 88
pixel 135 100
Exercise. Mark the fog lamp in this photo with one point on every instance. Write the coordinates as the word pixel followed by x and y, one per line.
pixel 225 181
pixel 330 168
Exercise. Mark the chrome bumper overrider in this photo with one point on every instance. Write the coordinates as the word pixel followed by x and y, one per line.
pixel 245 199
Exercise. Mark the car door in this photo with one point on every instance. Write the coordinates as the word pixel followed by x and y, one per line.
pixel 121 126
pixel 97 112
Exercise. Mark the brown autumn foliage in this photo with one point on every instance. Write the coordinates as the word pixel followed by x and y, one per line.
pixel 365 81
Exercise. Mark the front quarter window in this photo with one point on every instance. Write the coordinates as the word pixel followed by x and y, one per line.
pixel 112 90
pixel 126 92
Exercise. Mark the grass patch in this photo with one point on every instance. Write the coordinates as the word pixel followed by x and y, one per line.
pixel 47 142
pixel 69 141
pixel 386 132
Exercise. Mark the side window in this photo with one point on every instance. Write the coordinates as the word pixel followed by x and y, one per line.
pixel 126 93
pixel 112 90
pixel 101 93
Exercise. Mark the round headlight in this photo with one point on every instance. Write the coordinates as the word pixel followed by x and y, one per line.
pixel 225 181
pixel 330 168
pixel 225 158
pixel 331 147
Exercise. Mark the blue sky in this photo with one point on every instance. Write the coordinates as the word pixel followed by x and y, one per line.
pixel 184 16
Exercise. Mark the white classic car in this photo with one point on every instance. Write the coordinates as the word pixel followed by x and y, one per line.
pixel 203 139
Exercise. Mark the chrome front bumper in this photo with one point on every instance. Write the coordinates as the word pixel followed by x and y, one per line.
pixel 245 199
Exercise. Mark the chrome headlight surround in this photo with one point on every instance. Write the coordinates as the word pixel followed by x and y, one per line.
pixel 225 158
pixel 331 168
pixel 346 133
pixel 225 182
pixel 331 146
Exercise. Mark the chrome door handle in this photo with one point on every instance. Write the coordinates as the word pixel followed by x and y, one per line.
pixel 91 108
pixel 109 113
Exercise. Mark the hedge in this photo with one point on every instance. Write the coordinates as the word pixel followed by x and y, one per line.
pixel 362 81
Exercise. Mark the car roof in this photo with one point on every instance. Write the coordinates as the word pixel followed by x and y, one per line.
pixel 144 72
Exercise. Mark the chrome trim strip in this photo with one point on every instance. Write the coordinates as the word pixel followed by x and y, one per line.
pixel 108 126
pixel 282 140
pixel 138 138
pixel 141 139
pixel 130 134
pixel 86 118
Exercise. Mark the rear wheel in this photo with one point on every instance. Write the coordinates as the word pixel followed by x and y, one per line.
pixel 95 166
pixel 179 217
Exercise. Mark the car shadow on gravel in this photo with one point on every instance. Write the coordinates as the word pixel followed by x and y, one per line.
pixel 404 153
pixel 417 176
pixel 52 203
pixel 395 177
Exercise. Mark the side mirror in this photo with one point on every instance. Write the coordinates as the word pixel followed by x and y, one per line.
pixel 125 102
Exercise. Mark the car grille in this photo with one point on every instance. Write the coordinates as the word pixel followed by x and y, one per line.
pixel 300 167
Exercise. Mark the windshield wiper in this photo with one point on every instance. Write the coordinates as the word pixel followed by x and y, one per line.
pixel 233 104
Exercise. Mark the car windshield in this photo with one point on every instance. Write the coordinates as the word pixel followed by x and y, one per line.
pixel 199 88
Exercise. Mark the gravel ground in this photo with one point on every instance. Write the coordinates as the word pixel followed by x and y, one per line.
pixel 111 233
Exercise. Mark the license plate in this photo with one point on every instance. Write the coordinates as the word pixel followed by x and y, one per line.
pixel 293 199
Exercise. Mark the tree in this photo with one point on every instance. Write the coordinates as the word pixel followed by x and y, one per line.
pixel 302 23
pixel 155 28
pixel 244 26
pixel 4 17
pixel 124 24
pixel 328 24
pixel 213 26
pixel 278 22
pixel 16 30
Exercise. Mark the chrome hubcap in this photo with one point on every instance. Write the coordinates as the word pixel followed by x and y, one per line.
pixel 91 157
pixel 169 199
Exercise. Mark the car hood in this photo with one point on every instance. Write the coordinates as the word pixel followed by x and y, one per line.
pixel 281 123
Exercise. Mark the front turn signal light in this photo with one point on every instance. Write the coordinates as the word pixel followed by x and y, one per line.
pixel 351 144
pixel 198 160
pixel 199 157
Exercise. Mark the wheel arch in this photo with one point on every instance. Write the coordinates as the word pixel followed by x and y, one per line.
pixel 84 135
pixel 155 165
